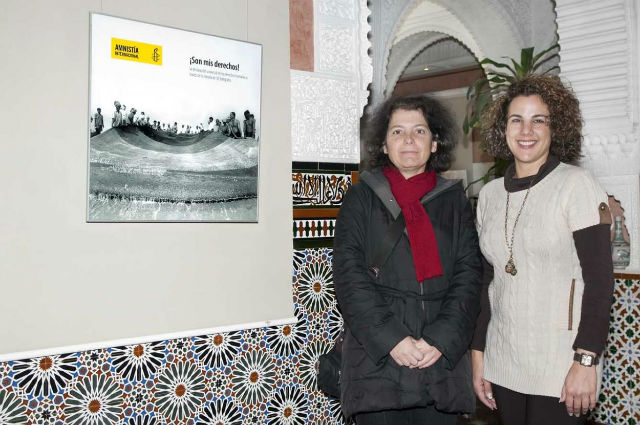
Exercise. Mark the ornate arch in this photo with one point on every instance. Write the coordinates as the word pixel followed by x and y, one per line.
pixel 463 20
pixel 404 52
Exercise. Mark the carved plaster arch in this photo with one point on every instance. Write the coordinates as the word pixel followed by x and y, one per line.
pixel 425 18
pixel 386 16
pixel 404 51
pixel 467 23
pixel 430 16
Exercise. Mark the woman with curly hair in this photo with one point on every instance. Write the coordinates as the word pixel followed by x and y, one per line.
pixel 545 229
pixel 408 319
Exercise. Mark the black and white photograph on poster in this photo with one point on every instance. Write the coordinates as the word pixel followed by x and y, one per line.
pixel 174 124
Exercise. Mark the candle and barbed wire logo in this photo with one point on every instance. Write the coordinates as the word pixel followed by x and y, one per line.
pixel 136 51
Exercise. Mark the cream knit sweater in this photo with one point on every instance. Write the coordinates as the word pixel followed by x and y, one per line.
pixel 535 314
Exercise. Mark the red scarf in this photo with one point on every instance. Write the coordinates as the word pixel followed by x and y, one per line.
pixel 422 238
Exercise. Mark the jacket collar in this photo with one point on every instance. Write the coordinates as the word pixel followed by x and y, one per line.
pixel 380 186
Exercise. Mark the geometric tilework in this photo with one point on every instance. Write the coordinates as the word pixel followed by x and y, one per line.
pixel 251 376
pixel 314 228
pixel 619 400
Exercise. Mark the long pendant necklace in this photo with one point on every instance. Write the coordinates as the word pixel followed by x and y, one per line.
pixel 511 265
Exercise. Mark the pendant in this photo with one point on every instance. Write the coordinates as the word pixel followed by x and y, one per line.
pixel 511 267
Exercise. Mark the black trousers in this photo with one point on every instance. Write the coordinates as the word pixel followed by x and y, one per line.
pixel 515 408
pixel 418 416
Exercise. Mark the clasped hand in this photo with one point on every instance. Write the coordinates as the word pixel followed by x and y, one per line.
pixel 415 353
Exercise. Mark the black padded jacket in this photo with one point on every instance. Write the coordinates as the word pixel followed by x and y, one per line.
pixel 379 313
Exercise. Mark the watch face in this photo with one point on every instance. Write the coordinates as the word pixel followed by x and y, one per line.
pixel 586 360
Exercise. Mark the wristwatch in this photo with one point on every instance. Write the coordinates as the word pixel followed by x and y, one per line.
pixel 586 359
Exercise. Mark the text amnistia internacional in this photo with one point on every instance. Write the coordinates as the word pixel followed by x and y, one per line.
pixel 124 50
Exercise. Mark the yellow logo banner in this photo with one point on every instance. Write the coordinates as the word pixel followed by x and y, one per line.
pixel 136 51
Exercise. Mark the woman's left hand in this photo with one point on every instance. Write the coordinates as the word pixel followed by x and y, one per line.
pixel 431 354
pixel 579 389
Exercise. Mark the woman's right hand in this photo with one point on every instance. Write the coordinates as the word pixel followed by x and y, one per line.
pixel 405 353
pixel 481 387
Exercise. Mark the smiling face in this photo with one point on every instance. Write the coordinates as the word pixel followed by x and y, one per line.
pixel 528 133
pixel 409 142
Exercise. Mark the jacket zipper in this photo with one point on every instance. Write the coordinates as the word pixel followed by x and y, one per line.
pixel 573 285
pixel 421 294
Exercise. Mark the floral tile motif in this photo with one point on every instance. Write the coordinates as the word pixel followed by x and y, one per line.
pixel 179 392
pixel 286 340
pixel 217 351
pixel 309 362
pixel 222 411
pixel 44 376
pixel 288 407
pixel 94 400
pixel 136 362
pixel 254 377
pixel 314 282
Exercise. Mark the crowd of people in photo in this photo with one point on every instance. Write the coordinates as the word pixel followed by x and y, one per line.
pixel 228 126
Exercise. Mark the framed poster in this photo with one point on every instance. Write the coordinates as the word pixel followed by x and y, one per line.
pixel 174 124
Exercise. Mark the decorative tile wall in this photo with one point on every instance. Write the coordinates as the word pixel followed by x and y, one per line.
pixel 619 400
pixel 251 376
pixel 319 189
pixel 314 228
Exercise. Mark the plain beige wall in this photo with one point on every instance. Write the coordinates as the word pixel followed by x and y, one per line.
pixel 64 281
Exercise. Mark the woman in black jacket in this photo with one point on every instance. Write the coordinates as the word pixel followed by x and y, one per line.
pixel 408 328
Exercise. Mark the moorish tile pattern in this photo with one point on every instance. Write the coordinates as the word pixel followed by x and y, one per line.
pixel 319 189
pixel 251 376
pixel 314 228
pixel 619 400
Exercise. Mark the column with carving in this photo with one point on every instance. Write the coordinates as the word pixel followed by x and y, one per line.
pixel 327 101
pixel 385 18
pixel 599 57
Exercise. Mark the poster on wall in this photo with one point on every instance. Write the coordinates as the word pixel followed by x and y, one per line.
pixel 174 124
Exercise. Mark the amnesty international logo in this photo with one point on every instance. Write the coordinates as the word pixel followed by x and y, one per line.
pixel 136 51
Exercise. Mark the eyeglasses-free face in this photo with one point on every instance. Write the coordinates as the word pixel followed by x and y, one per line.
pixel 528 133
pixel 409 142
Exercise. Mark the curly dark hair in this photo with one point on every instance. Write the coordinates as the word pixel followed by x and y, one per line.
pixel 440 121
pixel 564 116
